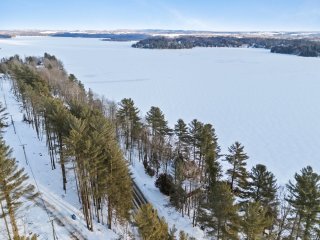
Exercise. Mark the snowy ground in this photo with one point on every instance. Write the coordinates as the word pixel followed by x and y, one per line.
pixel 60 206
pixel 161 202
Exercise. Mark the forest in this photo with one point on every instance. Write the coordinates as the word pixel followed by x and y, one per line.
pixel 105 36
pixel 98 139
pixel 5 36
pixel 299 47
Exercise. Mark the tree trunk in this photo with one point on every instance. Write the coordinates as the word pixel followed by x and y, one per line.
pixel 64 178
pixel 5 220
pixel 109 221
pixel 12 217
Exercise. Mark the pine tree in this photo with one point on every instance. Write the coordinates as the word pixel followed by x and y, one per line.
pixel 156 119
pixel 210 152
pixel 238 175
pixel 219 213
pixel 262 188
pixel 254 221
pixel 101 170
pixel 305 199
pixel 181 131
pixel 183 235
pixel 129 121
pixel 172 233
pixel 160 133
pixel 33 237
pixel 150 226
pixel 195 133
pixel 3 117
pixel 13 186
pixel 57 118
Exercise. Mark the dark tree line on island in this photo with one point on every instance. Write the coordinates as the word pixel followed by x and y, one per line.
pixel 87 133
pixel 5 36
pixel 299 47
pixel 119 37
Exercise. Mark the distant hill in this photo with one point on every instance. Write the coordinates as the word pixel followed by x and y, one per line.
pixel 5 36
pixel 105 36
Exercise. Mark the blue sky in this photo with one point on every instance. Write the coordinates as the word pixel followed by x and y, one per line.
pixel 216 15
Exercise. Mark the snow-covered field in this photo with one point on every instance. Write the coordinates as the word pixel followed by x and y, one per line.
pixel 269 102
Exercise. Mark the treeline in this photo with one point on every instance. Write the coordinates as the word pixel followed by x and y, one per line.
pixel 105 36
pixel 5 36
pixel 233 204
pixel 299 47
pixel 80 139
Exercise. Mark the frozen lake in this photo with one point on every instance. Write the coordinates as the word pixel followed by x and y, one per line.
pixel 268 102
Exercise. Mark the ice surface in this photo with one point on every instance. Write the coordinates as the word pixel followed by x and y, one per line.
pixel 268 102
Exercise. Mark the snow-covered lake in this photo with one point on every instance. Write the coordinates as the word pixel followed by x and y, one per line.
pixel 268 102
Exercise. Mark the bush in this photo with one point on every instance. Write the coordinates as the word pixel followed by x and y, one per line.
pixel 149 170
pixel 165 184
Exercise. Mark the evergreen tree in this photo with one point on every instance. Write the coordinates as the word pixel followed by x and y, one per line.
pixel 219 213
pixel 172 233
pixel 254 221
pixel 150 226
pixel 305 199
pixel 57 119
pixel 195 133
pixel 238 175
pixel 3 117
pixel 262 188
pixel 181 131
pixel 183 235
pixel 101 171
pixel 160 133
pixel 33 237
pixel 129 121
pixel 210 153
pixel 156 120
pixel 13 186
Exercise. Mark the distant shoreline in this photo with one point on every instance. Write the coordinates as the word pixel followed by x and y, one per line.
pixel 303 47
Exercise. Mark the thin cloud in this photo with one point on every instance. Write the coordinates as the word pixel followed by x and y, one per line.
pixel 187 21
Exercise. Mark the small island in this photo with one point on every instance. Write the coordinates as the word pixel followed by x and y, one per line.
pixel 301 47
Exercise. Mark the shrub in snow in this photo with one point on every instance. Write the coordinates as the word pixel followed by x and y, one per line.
pixel 165 184
pixel 149 170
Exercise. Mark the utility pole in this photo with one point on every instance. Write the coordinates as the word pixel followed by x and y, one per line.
pixel 24 151
pixel 53 231
pixel 14 127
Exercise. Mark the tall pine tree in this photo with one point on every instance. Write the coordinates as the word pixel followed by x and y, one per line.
pixel 262 188
pixel 305 199
pixel 238 175
pixel 150 226
pixel 13 186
